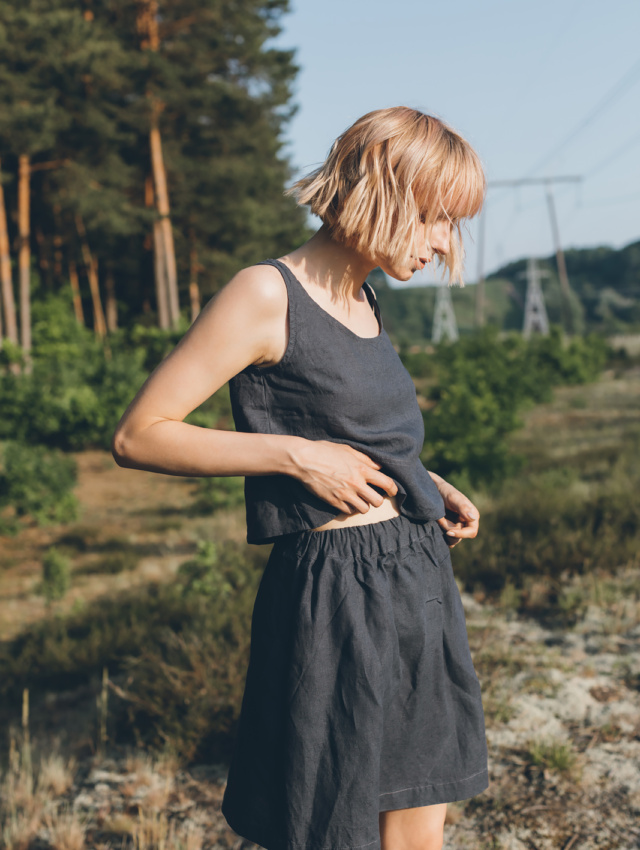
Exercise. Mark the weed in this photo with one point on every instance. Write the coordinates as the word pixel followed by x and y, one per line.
pixel 557 756
pixel 56 575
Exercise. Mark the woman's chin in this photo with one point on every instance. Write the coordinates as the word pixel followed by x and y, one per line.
pixel 401 274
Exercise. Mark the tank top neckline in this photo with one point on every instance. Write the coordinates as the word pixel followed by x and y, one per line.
pixel 371 298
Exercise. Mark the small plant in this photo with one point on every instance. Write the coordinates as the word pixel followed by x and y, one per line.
pixel 510 598
pixel 552 755
pixel 202 575
pixel 56 575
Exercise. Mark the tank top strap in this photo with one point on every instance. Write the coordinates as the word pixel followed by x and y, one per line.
pixel 373 301
pixel 299 299
pixel 296 304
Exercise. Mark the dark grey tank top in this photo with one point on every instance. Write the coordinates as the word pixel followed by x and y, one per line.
pixel 331 384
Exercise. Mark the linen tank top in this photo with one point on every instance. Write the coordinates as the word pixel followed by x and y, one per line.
pixel 331 384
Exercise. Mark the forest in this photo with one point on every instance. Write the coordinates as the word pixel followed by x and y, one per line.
pixel 141 155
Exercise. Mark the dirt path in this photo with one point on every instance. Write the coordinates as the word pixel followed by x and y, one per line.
pixel 134 527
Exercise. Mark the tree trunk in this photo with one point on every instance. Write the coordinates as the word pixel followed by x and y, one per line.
pixel 24 251
pixel 162 201
pixel 159 267
pixel 75 289
pixel 194 289
pixel 112 304
pixel 150 40
pixel 8 302
pixel 91 266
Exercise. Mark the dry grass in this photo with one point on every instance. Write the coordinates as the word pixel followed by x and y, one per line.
pixel 55 775
pixel 66 830
pixel 155 832
pixel 31 809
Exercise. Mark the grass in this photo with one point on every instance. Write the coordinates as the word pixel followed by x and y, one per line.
pixel 34 804
pixel 557 756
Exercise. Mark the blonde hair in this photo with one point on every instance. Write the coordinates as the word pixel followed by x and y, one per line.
pixel 390 169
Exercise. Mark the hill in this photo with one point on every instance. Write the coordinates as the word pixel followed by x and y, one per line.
pixel 605 284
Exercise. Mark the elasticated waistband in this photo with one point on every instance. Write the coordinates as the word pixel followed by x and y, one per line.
pixel 376 538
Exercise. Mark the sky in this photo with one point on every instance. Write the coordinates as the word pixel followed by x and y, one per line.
pixel 545 88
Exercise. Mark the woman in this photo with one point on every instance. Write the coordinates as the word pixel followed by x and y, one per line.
pixel 362 714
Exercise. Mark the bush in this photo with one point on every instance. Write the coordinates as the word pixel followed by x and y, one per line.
pixel 549 526
pixel 180 652
pixel 56 575
pixel 214 494
pixel 79 387
pixel 483 382
pixel 186 687
pixel 37 483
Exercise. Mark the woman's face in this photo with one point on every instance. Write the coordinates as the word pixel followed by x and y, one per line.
pixel 437 235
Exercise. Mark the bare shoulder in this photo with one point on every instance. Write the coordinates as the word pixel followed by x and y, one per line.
pixel 247 319
pixel 259 289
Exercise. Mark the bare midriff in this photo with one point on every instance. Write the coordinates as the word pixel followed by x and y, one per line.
pixel 387 510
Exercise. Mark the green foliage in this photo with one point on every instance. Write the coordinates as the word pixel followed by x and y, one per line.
pixel 181 651
pixel 187 686
pixel 482 382
pixel 37 483
pixel 79 92
pixel 56 575
pixel 551 524
pixel 558 756
pixel 78 389
pixel 214 494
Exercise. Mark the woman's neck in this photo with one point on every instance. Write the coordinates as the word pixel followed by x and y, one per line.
pixel 330 265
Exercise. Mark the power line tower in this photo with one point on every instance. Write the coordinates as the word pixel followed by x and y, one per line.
pixel 535 313
pixel 548 182
pixel 444 319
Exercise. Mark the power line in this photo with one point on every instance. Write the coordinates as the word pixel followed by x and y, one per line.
pixel 630 143
pixel 616 91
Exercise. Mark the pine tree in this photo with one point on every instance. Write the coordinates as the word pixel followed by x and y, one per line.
pixel 82 110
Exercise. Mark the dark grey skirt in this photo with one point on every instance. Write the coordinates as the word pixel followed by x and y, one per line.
pixel 361 695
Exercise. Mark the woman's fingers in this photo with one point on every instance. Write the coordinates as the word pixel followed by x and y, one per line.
pixel 355 503
pixel 383 481
pixel 459 529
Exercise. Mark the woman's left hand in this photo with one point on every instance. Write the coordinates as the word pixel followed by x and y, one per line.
pixel 462 518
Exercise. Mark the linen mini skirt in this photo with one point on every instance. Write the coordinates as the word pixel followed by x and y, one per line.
pixel 361 695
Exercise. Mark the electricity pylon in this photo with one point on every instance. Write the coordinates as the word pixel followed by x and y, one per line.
pixel 535 313
pixel 444 319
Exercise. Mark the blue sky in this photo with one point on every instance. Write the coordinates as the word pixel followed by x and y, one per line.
pixel 516 78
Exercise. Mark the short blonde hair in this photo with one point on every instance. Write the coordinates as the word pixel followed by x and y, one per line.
pixel 391 168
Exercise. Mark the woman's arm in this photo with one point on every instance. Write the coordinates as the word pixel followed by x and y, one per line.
pixel 245 323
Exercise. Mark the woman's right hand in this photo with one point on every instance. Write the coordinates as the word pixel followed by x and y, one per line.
pixel 341 475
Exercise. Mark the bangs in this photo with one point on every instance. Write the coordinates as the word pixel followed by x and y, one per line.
pixel 456 191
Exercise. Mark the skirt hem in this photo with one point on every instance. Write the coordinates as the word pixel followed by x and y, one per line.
pixel 406 798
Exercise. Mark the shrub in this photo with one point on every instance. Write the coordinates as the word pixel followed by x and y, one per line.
pixel 79 387
pixel 37 483
pixel 56 575
pixel 214 494
pixel 186 687
pixel 549 525
pixel 180 651
pixel 483 382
